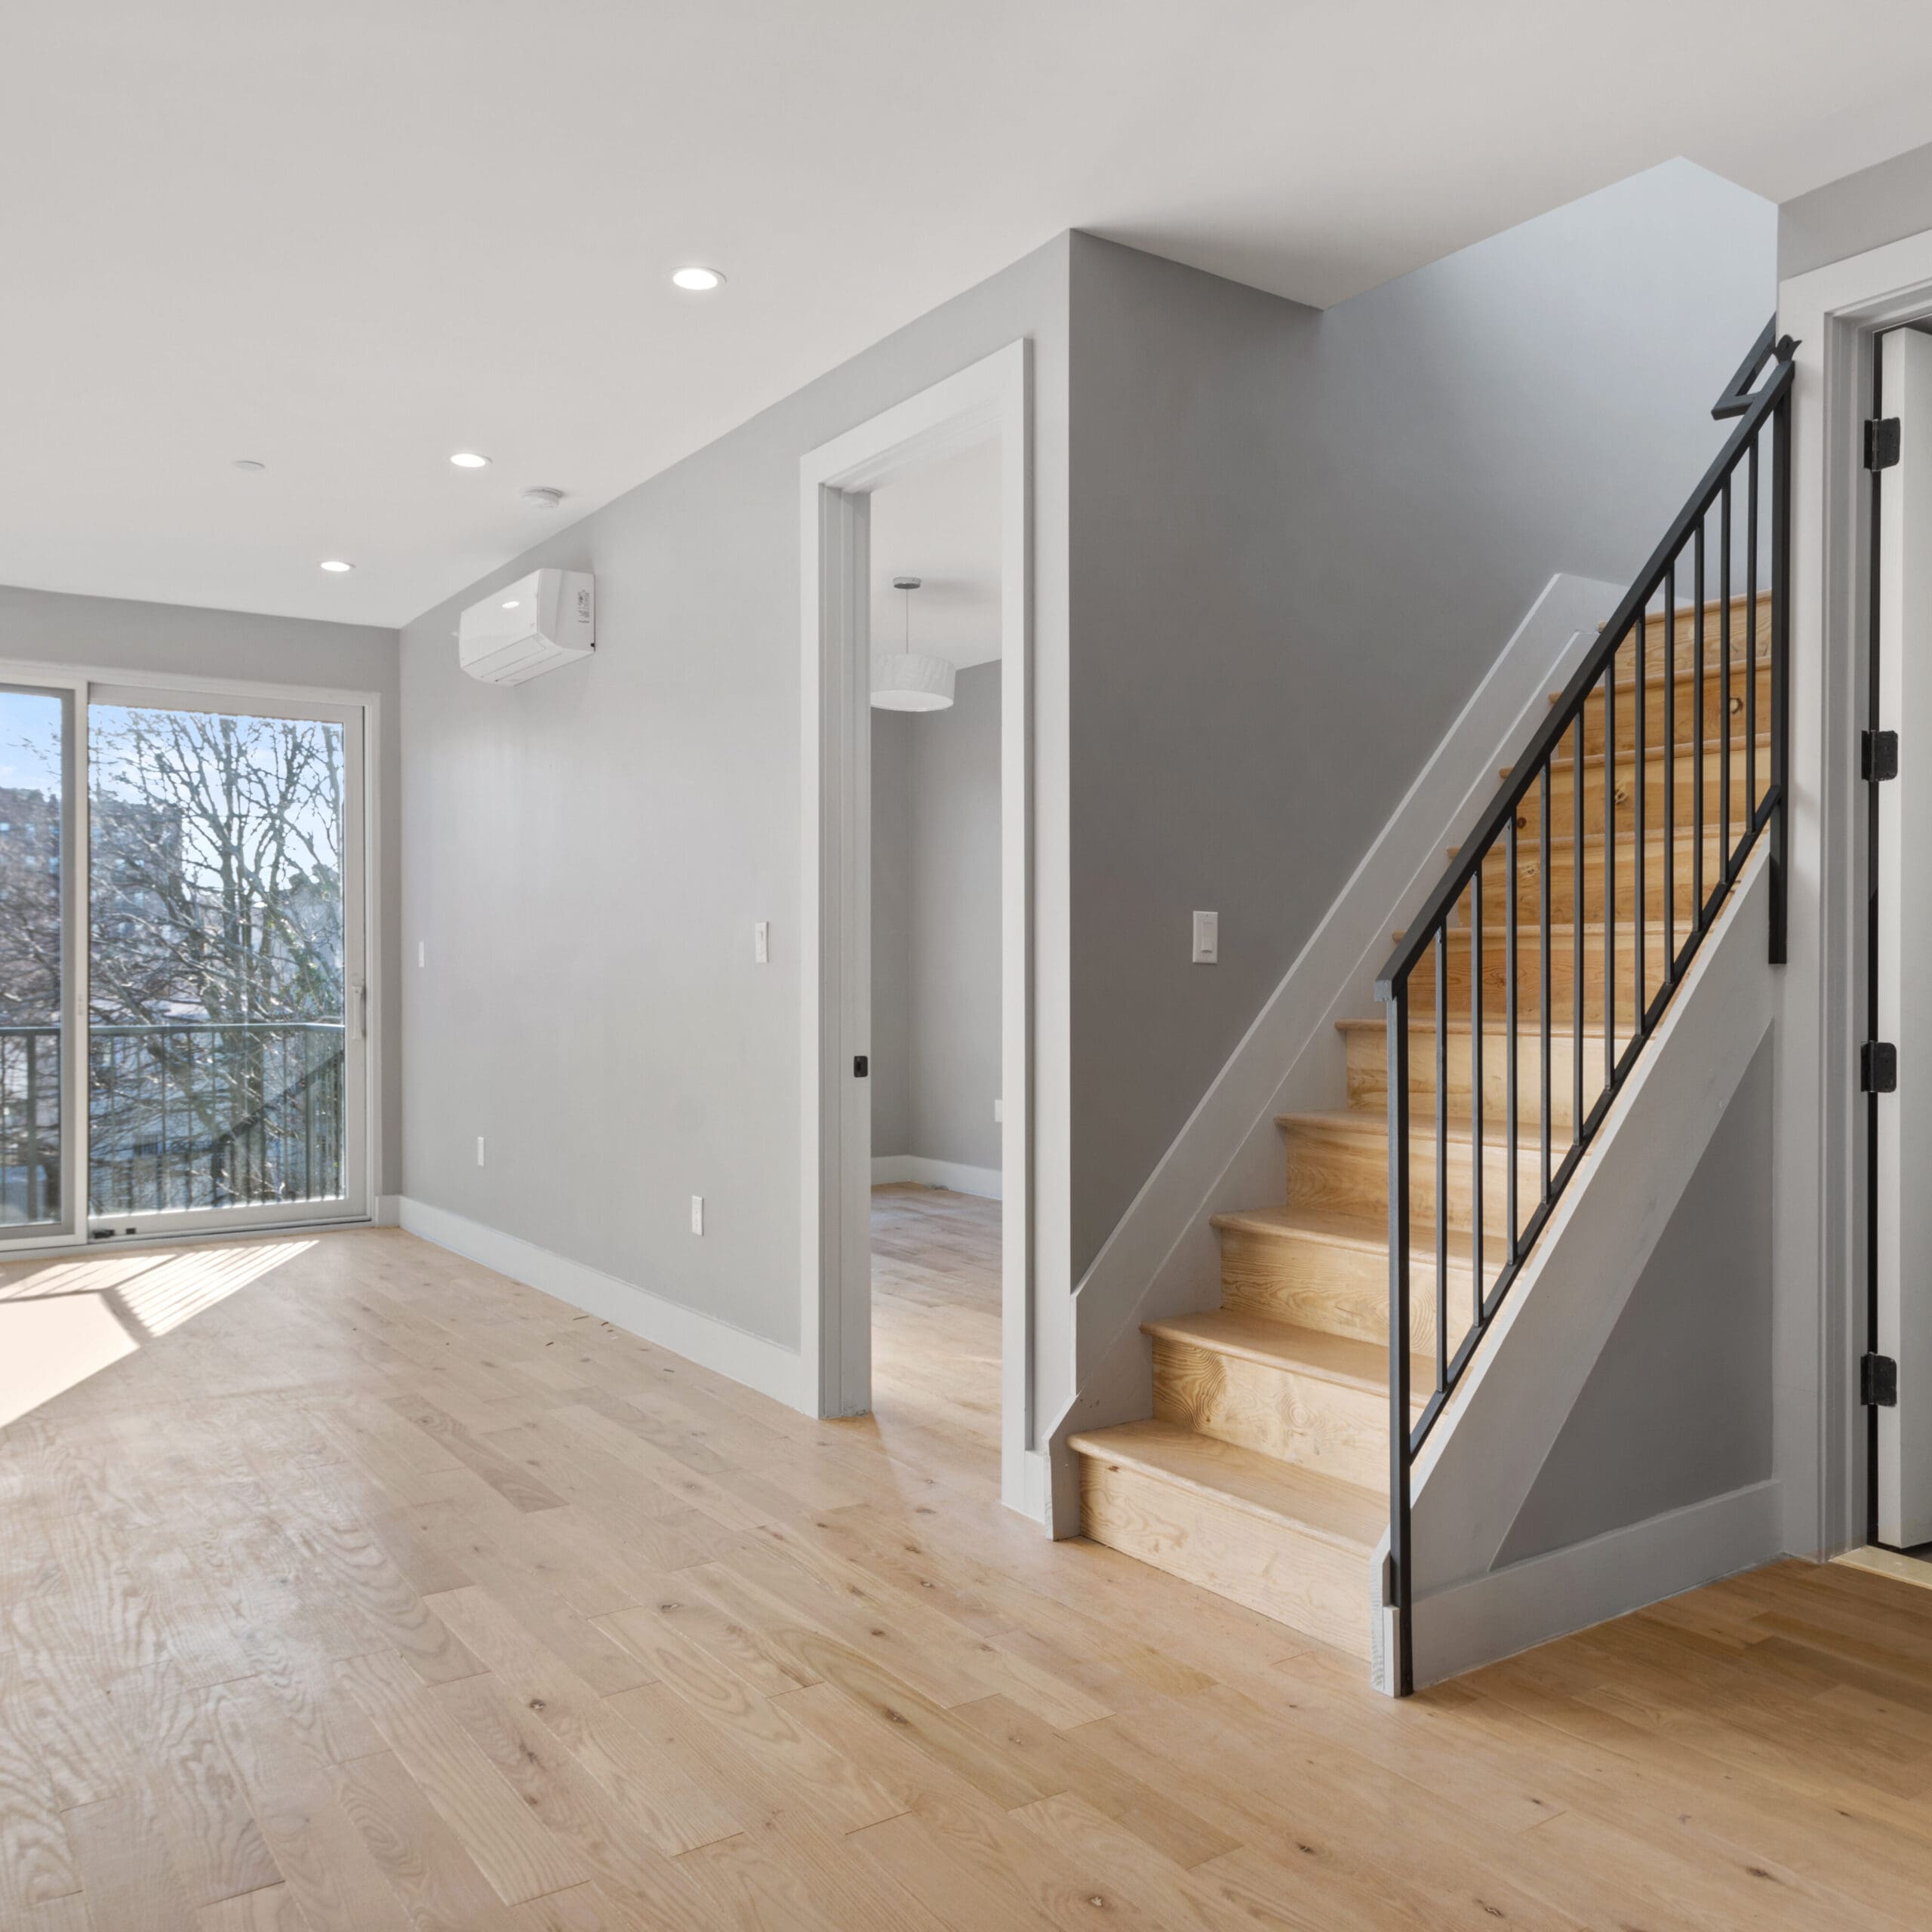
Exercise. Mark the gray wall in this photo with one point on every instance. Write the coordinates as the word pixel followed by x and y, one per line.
pixel 936 926
pixel 1298 541
pixel 1878 204
pixel 585 855
pixel 1678 1407
pixel 148 640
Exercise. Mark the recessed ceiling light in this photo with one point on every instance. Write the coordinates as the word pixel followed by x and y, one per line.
pixel 510 603
pixel 469 460
pixel 698 279
pixel 248 463
pixel 337 565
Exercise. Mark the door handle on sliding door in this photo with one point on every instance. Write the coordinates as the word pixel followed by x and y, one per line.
pixel 360 1009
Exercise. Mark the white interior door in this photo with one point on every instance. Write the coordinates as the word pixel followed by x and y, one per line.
pixel 1904 1150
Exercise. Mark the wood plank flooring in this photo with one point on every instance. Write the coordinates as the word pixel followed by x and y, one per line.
pixel 372 1592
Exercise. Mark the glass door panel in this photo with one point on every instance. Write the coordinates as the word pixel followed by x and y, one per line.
pixel 225 1049
pixel 35 822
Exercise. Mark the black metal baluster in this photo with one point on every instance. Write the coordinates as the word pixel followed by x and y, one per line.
pixel 1576 929
pixel 1542 957
pixel 1670 782
pixel 1751 702
pixel 1399 1448
pixel 1640 922
pixel 1780 662
pixel 1751 606
pixel 1475 1085
pixel 1696 764
pixel 1441 1158
pixel 1509 1020
pixel 1610 864
pixel 1723 681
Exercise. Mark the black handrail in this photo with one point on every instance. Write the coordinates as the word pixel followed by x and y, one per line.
pixel 1766 406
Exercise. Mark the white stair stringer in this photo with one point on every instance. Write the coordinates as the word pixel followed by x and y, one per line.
pixel 1483 1457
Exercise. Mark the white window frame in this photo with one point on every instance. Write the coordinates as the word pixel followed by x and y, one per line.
pixel 360 714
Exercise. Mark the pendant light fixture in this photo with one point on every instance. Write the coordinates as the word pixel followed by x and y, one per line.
pixel 909 682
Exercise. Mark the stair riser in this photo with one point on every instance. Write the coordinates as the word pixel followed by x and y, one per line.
pixel 1562 820
pixel 1657 654
pixel 1296 1579
pixel 1682 894
pixel 1326 1426
pixel 1562 977
pixel 1368 1077
pixel 1341 1290
pixel 1348 1173
pixel 1684 699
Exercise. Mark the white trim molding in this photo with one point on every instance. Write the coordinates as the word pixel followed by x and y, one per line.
pixel 893 1169
pixel 700 1338
pixel 1163 1258
pixel 989 400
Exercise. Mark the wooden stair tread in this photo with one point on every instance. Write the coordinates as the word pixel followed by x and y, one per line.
pixel 1361 1124
pixel 1284 1493
pixel 1495 1029
pixel 1493 929
pixel 1296 1351
pixel 1367 1234
pixel 1740 662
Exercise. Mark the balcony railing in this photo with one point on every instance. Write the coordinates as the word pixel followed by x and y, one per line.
pixel 181 1114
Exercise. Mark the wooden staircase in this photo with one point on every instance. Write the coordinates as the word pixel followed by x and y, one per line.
pixel 1264 1472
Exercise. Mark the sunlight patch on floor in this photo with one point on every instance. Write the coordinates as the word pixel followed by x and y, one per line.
pixel 74 1316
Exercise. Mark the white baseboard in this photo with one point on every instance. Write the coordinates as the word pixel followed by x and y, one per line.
pixel 1543 1597
pixel 1162 1258
pixel 772 1370
pixel 891 1169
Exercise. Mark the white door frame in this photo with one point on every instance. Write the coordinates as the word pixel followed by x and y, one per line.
pixel 84 684
pixel 1819 1241
pixel 988 400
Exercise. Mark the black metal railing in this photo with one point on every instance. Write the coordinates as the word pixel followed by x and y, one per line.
pixel 1728 552
pixel 211 1114
pixel 181 1114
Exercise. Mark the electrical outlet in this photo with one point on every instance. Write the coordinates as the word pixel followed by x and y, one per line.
pixel 698 1213
pixel 421 954
pixel 762 942
pixel 1206 938
pixel 479 1150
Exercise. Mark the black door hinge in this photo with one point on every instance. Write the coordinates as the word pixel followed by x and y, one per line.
pixel 861 1066
pixel 1881 442
pixel 1877 1067
pixel 1878 1382
pixel 1877 756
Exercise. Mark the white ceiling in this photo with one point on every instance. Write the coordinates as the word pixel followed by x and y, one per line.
pixel 940 524
pixel 347 238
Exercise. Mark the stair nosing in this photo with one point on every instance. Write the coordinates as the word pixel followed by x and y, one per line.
pixel 1368 1237
pixel 1179 1328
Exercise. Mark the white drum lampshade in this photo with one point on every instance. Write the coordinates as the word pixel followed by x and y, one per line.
pixel 909 682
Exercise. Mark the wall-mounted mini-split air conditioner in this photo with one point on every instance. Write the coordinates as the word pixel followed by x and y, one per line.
pixel 540 622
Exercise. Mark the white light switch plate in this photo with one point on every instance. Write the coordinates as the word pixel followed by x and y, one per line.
pixel 1206 938
pixel 698 1213
pixel 762 942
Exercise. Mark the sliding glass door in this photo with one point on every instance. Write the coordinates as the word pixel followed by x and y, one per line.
pixel 38 1075
pixel 226 999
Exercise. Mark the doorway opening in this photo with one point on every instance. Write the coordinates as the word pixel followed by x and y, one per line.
pixel 936 1103
pixel 915 946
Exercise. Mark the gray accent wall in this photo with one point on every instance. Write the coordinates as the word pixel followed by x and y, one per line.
pixel 936 926
pixel 1677 1409
pixel 585 855
pixel 1298 541
pixel 141 641
pixel 1880 204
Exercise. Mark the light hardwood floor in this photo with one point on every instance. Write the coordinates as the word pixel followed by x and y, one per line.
pixel 370 1591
